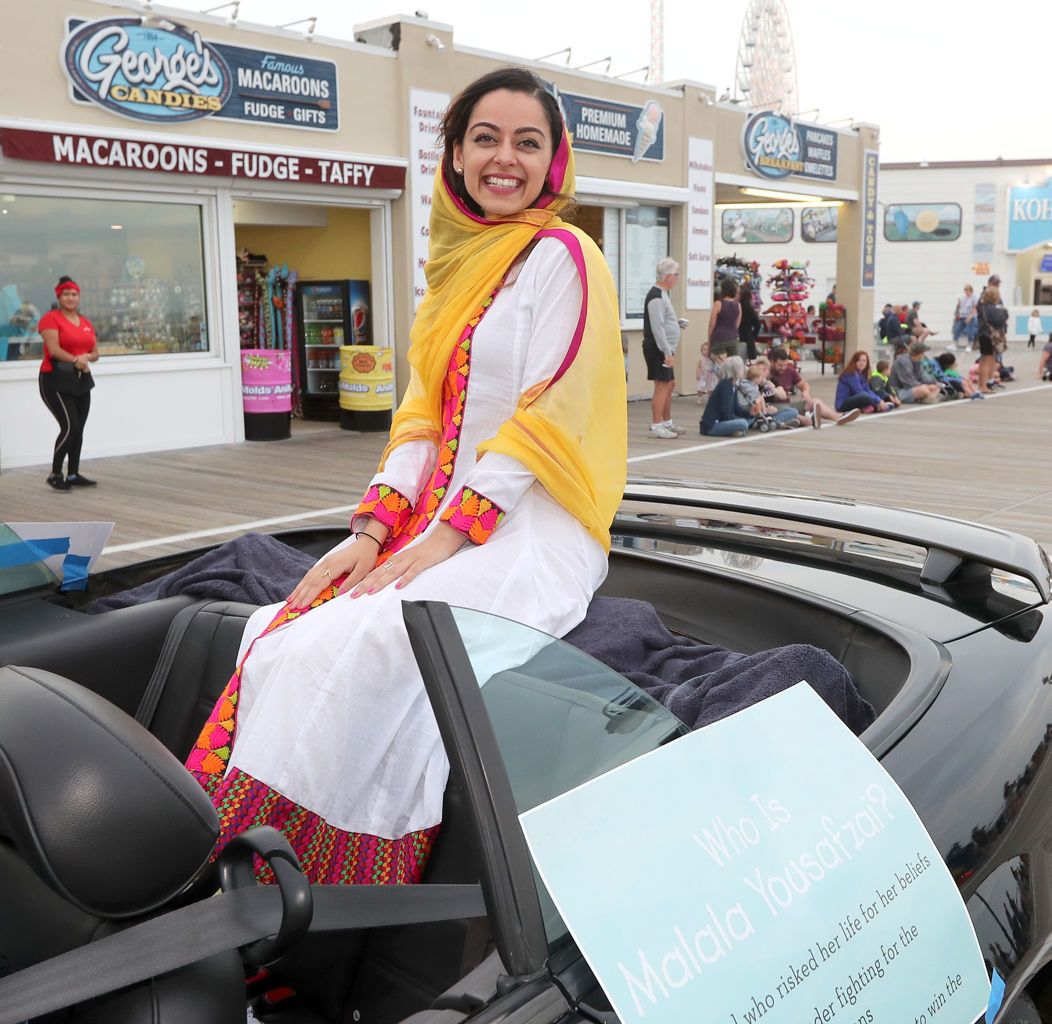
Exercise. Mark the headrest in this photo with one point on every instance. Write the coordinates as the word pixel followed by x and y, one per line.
pixel 96 806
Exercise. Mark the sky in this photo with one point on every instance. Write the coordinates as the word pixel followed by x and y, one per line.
pixel 940 83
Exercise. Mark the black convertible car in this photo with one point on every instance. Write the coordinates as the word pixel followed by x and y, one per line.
pixel 110 910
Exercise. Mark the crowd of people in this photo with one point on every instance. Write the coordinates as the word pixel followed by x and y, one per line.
pixel 742 390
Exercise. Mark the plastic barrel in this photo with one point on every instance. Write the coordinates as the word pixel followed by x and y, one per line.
pixel 366 387
pixel 266 390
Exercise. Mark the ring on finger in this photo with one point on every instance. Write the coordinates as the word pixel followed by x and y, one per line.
pixel 388 567
pixel 326 574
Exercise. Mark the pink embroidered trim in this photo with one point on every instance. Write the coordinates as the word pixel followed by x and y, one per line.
pixel 474 515
pixel 389 506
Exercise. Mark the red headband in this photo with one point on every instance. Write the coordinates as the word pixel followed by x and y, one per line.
pixel 66 286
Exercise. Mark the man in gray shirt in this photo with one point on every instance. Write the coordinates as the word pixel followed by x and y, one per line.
pixel 661 331
pixel 905 376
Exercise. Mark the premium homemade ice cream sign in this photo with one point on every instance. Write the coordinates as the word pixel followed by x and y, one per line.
pixel 152 69
pixel 776 147
pixel 617 129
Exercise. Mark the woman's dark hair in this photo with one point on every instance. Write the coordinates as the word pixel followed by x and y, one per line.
pixel 458 116
pixel 64 279
pixel 728 288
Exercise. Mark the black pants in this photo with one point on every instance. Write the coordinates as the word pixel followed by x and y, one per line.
pixel 855 402
pixel 71 411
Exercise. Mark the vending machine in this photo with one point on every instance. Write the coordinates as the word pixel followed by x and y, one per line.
pixel 330 314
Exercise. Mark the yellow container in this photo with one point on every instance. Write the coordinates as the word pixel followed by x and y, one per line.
pixel 366 387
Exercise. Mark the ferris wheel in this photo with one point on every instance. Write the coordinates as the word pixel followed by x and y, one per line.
pixel 765 77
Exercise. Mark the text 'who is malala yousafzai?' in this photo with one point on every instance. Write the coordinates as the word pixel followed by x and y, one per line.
pixel 788 895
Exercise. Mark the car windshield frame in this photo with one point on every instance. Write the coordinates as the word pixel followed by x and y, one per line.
pixel 487 677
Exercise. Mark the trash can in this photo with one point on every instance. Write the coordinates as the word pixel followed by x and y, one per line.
pixel 266 390
pixel 366 387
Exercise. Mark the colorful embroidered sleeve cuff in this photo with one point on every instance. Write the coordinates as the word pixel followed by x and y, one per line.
pixel 473 515
pixel 390 507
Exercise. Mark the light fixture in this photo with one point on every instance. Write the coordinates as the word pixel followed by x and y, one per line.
pixel 634 71
pixel 435 43
pixel 309 34
pixel 601 60
pixel 772 206
pixel 565 49
pixel 785 197
pixel 236 4
pixel 116 227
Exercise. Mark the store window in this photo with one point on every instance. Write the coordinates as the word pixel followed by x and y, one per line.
pixel 140 267
pixel 922 222
pixel 758 225
pixel 634 239
pixel 819 223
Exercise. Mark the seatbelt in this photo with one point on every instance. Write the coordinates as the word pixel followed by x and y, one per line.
pixel 225 921
pixel 155 687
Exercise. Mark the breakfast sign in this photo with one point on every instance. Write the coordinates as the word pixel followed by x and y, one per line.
pixel 153 69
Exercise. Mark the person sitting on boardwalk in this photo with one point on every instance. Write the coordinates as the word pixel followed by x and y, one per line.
pixel 852 387
pixel 721 417
pixel 789 382
pixel 905 376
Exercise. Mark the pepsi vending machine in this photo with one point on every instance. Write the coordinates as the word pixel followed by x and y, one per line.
pixel 329 314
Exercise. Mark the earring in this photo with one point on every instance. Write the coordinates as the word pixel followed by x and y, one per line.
pixel 459 170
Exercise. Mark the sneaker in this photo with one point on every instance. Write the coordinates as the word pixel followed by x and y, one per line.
pixel 738 433
pixel 669 425
pixel 59 482
pixel 80 481
pixel 816 419
pixel 976 394
pixel 849 417
pixel 659 430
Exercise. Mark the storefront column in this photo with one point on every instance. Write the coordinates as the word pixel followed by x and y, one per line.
pixel 858 302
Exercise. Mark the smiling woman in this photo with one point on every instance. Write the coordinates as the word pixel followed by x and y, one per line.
pixel 500 503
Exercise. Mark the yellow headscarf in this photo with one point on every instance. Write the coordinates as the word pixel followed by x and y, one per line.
pixel 569 431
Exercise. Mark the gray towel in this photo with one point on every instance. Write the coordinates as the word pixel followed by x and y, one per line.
pixel 701 683
pixel 253 568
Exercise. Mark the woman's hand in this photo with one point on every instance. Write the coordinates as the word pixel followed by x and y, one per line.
pixel 406 565
pixel 81 363
pixel 355 561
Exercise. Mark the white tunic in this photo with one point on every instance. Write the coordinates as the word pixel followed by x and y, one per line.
pixel 333 713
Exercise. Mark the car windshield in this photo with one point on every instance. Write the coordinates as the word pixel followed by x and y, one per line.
pixel 560 717
pixel 20 568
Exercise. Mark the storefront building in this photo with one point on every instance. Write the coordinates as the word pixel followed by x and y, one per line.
pixel 941 226
pixel 156 147
pixel 950 224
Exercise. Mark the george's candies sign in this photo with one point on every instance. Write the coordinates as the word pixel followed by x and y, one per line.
pixel 154 69
pixel 153 74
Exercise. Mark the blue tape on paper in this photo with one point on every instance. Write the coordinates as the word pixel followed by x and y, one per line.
pixel 75 572
pixel 997 994
pixel 28 551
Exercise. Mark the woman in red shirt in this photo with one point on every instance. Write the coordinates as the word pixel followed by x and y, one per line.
pixel 68 338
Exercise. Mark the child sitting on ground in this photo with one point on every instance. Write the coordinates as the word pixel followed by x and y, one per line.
pixel 750 398
pixel 879 384
pixel 706 373
pixel 948 363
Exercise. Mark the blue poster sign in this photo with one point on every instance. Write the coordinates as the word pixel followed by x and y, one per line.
pixel 616 129
pixel 776 147
pixel 1029 216
pixel 165 73
pixel 765 866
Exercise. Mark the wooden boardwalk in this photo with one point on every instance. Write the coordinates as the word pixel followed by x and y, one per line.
pixel 984 461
